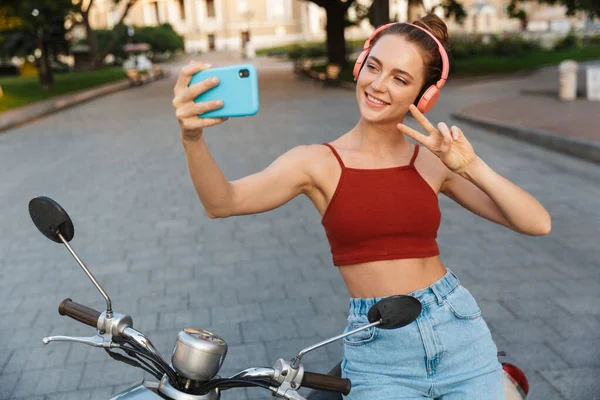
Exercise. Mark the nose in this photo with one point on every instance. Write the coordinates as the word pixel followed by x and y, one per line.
pixel 378 83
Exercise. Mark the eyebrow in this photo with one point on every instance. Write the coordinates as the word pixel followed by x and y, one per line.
pixel 401 71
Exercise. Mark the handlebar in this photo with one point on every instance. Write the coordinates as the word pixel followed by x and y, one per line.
pixel 326 383
pixel 79 312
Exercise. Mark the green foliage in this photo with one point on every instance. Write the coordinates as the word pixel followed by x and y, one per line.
pixel 573 6
pixel 571 41
pixel 496 46
pixel 513 46
pixel 453 8
pixel 593 40
pixel 160 38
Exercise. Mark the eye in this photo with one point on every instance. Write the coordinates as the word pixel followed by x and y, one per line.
pixel 370 66
pixel 400 80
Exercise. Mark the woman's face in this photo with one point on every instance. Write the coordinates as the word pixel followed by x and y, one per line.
pixel 390 80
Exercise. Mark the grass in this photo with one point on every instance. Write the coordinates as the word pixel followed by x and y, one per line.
pixel 20 91
pixel 489 65
pixel 498 65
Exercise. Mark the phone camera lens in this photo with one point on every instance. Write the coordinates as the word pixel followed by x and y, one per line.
pixel 244 73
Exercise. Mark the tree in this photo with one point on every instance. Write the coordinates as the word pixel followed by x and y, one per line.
pixel 336 11
pixel 40 28
pixel 590 7
pixel 378 14
pixel 82 17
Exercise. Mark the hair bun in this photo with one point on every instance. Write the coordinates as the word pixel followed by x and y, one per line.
pixel 436 26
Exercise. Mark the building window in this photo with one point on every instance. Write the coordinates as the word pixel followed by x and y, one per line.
pixel 211 41
pixel 279 9
pixel 210 8
pixel 182 9
pixel 242 7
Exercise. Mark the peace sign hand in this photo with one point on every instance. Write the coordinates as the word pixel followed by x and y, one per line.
pixel 450 145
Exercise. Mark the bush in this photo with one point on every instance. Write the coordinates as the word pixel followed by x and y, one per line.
pixel 513 46
pixel 571 41
pixel 161 38
pixel 594 39
pixel 461 48
pixel 306 51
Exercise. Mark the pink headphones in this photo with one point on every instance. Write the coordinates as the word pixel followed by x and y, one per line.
pixel 429 95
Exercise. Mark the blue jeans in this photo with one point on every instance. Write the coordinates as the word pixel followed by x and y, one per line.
pixel 447 353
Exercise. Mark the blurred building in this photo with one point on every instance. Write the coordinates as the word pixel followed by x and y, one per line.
pixel 228 24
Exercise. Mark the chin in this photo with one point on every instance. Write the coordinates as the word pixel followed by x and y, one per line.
pixel 379 117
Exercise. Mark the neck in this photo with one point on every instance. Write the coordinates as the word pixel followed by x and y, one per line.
pixel 378 138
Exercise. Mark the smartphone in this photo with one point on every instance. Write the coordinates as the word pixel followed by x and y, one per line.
pixel 237 88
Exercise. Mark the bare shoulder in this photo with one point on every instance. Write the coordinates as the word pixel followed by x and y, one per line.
pixel 431 168
pixel 305 155
pixel 311 160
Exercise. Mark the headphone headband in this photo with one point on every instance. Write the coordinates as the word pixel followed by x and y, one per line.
pixel 443 53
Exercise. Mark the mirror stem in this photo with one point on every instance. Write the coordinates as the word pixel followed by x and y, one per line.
pixel 109 312
pixel 298 358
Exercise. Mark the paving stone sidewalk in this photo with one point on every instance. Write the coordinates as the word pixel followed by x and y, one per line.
pixel 264 282
pixel 529 108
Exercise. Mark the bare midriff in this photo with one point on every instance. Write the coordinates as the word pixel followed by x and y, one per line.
pixel 391 277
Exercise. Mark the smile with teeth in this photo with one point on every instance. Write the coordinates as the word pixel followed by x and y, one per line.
pixel 375 100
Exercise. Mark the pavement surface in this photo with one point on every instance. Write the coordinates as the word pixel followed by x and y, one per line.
pixel 265 282
pixel 532 111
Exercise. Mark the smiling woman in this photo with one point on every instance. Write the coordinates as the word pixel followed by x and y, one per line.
pixel 377 194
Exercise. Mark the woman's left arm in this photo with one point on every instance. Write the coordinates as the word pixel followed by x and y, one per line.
pixel 484 192
pixel 476 186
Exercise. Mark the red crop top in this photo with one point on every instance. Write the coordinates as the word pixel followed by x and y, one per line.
pixel 381 214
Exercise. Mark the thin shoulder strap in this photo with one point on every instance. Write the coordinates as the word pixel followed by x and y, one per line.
pixel 335 153
pixel 414 157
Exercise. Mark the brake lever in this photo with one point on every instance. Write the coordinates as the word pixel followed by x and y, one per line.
pixel 94 341
pixel 286 394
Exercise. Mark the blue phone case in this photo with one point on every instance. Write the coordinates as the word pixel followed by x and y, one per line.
pixel 238 93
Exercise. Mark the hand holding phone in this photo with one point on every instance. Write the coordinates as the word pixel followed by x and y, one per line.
pixel 187 109
pixel 237 89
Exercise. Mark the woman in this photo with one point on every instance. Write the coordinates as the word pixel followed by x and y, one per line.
pixel 377 194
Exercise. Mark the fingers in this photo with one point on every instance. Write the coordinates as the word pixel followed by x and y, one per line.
pixel 413 134
pixel 456 132
pixel 421 119
pixel 195 109
pixel 185 76
pixel 190 93
pixel 446 136
pixel 200 123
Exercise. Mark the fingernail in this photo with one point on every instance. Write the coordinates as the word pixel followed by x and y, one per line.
pixel 219 102
pixel 214 80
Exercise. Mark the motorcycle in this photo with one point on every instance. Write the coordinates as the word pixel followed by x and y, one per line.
pixel 199 354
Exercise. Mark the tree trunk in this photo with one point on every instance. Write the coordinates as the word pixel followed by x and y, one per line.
pixel 45 71
pixel 380 13
pixel 336 41
pixel 92 42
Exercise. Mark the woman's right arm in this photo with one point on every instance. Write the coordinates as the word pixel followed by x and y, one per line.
pixel 284 179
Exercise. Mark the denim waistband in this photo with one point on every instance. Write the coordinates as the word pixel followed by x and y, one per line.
pixel 437 291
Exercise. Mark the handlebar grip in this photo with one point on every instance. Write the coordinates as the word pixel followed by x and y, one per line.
pixel 326 383
pixel 79 312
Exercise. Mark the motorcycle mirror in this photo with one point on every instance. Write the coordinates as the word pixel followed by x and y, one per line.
pixel 395 311
pixel 54 223
pixel 50 218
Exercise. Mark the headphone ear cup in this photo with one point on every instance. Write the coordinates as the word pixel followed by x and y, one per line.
pixel 428 99
pixel 358 64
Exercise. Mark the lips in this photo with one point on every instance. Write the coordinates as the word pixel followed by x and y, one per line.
pixel 375 101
